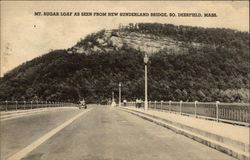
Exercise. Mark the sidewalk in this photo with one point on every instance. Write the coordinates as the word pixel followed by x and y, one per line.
pixel 228 138
pixel 6 115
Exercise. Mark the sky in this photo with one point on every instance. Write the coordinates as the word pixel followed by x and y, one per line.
pixel 25 36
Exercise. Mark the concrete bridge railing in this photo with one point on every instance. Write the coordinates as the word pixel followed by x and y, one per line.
pixel 21 105
pixel 228 112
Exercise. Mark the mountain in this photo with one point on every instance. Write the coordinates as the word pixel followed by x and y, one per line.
pixel 186 63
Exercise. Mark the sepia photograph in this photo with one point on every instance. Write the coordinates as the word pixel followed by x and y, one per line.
pixel 124 80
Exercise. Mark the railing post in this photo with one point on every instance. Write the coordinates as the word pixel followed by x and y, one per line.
pixel 155 105
pixel 24 102
pixel 16 104
pixel 180 106
pixel 195 109
pixel 31 104
pixel 217 111
pixel 170 106
pixel 161 105
pixel 6 105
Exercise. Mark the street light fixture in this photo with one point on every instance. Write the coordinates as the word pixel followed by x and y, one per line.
pixel 146 82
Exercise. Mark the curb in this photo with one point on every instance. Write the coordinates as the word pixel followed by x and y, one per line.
pixel 199 138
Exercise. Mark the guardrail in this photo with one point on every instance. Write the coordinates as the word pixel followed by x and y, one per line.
pixel 227 112
pixel 22 105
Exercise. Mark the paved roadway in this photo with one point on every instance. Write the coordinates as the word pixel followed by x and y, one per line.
pixel 102 133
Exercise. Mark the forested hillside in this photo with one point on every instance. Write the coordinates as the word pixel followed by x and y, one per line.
pixel 204 64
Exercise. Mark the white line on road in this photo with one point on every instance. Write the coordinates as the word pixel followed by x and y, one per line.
pixel 19 155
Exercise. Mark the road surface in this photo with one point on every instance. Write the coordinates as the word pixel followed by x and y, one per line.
pixel 103 133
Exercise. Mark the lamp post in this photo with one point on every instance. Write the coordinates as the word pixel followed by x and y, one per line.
pixel 146 82
pixel 120 85
pixel 113 100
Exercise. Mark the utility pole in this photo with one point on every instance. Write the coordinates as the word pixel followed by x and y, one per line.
pixel 120 85
pixel 146 82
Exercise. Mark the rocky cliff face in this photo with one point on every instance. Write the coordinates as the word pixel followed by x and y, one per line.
pixel 111 40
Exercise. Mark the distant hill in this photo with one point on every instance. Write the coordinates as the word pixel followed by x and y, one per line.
pixel 186 63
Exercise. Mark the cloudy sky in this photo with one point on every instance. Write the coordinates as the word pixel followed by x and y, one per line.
pixel 25 36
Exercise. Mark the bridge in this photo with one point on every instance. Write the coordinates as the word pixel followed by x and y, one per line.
pixel 167 130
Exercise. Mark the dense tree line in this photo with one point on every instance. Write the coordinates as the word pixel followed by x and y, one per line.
pixel 204 74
